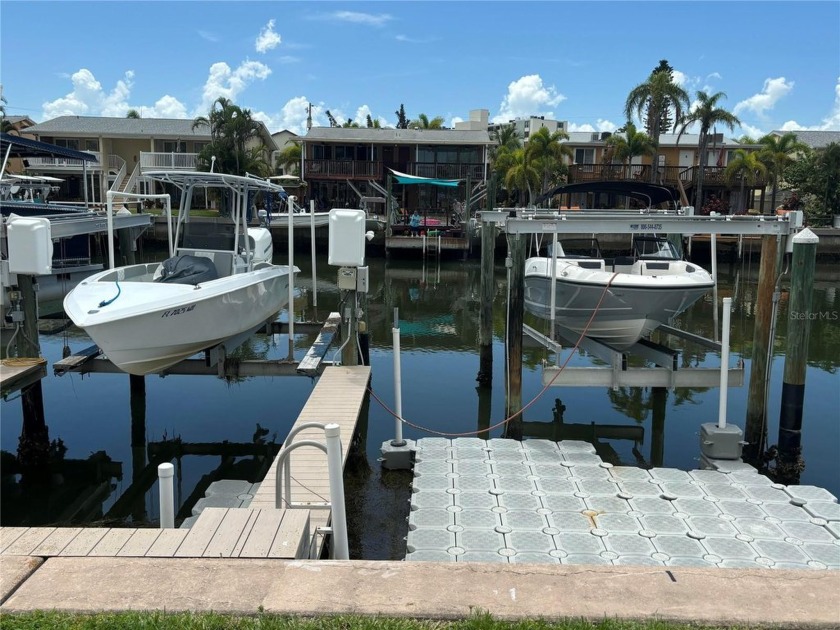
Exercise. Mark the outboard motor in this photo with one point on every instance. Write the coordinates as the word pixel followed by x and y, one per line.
pixel 262 247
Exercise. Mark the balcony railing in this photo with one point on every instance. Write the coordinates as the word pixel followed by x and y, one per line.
pixel 342 169
pixel 447 171
pixel 667 175
pixel 167 161
pixel 61 164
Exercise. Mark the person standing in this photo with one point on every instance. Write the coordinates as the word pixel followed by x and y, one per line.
pixel 414 223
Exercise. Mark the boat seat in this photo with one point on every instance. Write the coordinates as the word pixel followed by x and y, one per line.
pixel 223 261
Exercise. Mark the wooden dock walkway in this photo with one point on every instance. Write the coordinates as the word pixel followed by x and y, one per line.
pixel 337 398
pixel 15 377
pixel 218 533
pixel 258 531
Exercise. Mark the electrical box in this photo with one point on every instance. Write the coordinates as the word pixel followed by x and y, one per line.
pixel 347 238
pixel 362 281
pixel 30 245
pixel 347 279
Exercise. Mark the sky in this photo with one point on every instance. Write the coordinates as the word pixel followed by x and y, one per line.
pixel 777 62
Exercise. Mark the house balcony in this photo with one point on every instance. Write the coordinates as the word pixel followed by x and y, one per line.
pixel 667 175
pixel 447 171
pixel 64 165
pixel 342 169
pixel 167 161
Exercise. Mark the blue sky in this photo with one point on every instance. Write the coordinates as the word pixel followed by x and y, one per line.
pixel 778 62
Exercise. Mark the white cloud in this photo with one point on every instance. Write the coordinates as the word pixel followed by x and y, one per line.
pixel 773 90
pixel 454 120
pixel 267 39
pixel 89 98
pixel 286 59
pixel 681 79
pixel 293 116
pixel 354 17
pixel 165 107
pixel 527 96
pixel 413 40
pixel 600 125
pixel 753 132
pixel 222 81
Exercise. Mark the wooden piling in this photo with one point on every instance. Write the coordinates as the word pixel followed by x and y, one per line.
pixel 486 295
pixel 659 400
pixel 755 427
pixel 515 319
pixel 789 463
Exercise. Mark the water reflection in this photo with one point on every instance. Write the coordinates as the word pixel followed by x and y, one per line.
pixel 439 311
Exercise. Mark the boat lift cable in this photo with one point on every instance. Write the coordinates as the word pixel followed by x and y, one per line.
pixel 526 406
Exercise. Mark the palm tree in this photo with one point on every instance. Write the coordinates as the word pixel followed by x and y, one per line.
pixel 655 95
pixel 133 113
pixel 521 174
pixel 746 168
pixel 232 129
pixel 776 154
pixel 829 159
pixel 5 124
pixel 632 144
pixel 289 158
pixel 423 122
pixel 708 115
pixel 373 124
pixel 546 152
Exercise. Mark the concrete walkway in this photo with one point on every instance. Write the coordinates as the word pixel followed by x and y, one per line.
pixel 795 599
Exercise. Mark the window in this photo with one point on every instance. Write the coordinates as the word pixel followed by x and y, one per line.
pixel 584 156
pixel 91 144
pixel 68 143
pixel 174 147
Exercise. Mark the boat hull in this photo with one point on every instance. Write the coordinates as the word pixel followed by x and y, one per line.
pixel 300 220
pixel 152 326
pixel 629 306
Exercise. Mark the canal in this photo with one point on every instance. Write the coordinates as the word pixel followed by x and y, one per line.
pixel 105 442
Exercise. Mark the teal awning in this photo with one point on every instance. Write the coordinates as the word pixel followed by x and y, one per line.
pixel 402 178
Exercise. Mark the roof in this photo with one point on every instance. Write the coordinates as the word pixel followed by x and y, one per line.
pixel 652 194
pixel 120 127
pixel 401 136
pixel 665 139
pixel 24 148
pixel 814 139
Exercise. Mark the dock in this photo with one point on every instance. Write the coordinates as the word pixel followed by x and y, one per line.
pixel 260 530
pixel 16 377
pixel 537 501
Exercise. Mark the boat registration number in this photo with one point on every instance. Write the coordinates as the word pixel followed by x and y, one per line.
pixel 653 227
pixel 178 311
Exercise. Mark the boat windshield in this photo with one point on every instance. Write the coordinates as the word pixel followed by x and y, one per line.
pixel 657 248
pixel 579 248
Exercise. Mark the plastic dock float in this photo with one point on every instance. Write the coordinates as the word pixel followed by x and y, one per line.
pixel 558 502
pixel 337 397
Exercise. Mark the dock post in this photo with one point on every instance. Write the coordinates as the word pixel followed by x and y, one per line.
pixel 755 426
pixel 166 472
pixel 396 453
pixel 137 402
pixel 350 353
pixel 126 246
pixel 486 295
pixel 340 547
pixel 789 463
pixel 515 321
pixel 658 403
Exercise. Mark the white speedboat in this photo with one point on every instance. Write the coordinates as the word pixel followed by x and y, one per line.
pixel 633 295
pixel 215 286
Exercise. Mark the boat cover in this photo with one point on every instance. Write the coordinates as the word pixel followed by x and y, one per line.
pixel 186 269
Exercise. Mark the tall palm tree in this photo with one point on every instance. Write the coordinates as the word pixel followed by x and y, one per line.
pixel 746 168
pixel 423 122
pixel 708 115
pixel 632 144
pixel 653 96
pixel 776 153
pixel 546 152
pixel 232 130
pixel 522 175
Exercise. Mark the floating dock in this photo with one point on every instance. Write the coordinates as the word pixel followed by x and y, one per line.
pixel 538 501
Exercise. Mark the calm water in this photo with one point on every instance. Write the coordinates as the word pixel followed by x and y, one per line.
pixel 439 305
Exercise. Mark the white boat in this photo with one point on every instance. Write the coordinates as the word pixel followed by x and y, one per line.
pixel 215 286
pixel 279 204
pixel 633 295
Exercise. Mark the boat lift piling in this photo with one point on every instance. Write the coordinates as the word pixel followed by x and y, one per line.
pixel 515 321
pixel 487 288
pixel 796 354
pixel 397 453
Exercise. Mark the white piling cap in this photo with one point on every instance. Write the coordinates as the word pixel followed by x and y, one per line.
pixel 806 236
pixel 166 470
pixel 332 430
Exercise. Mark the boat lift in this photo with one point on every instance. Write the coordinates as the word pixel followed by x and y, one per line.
pixel 617 373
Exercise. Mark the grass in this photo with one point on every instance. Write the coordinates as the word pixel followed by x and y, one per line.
pixel 262 621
